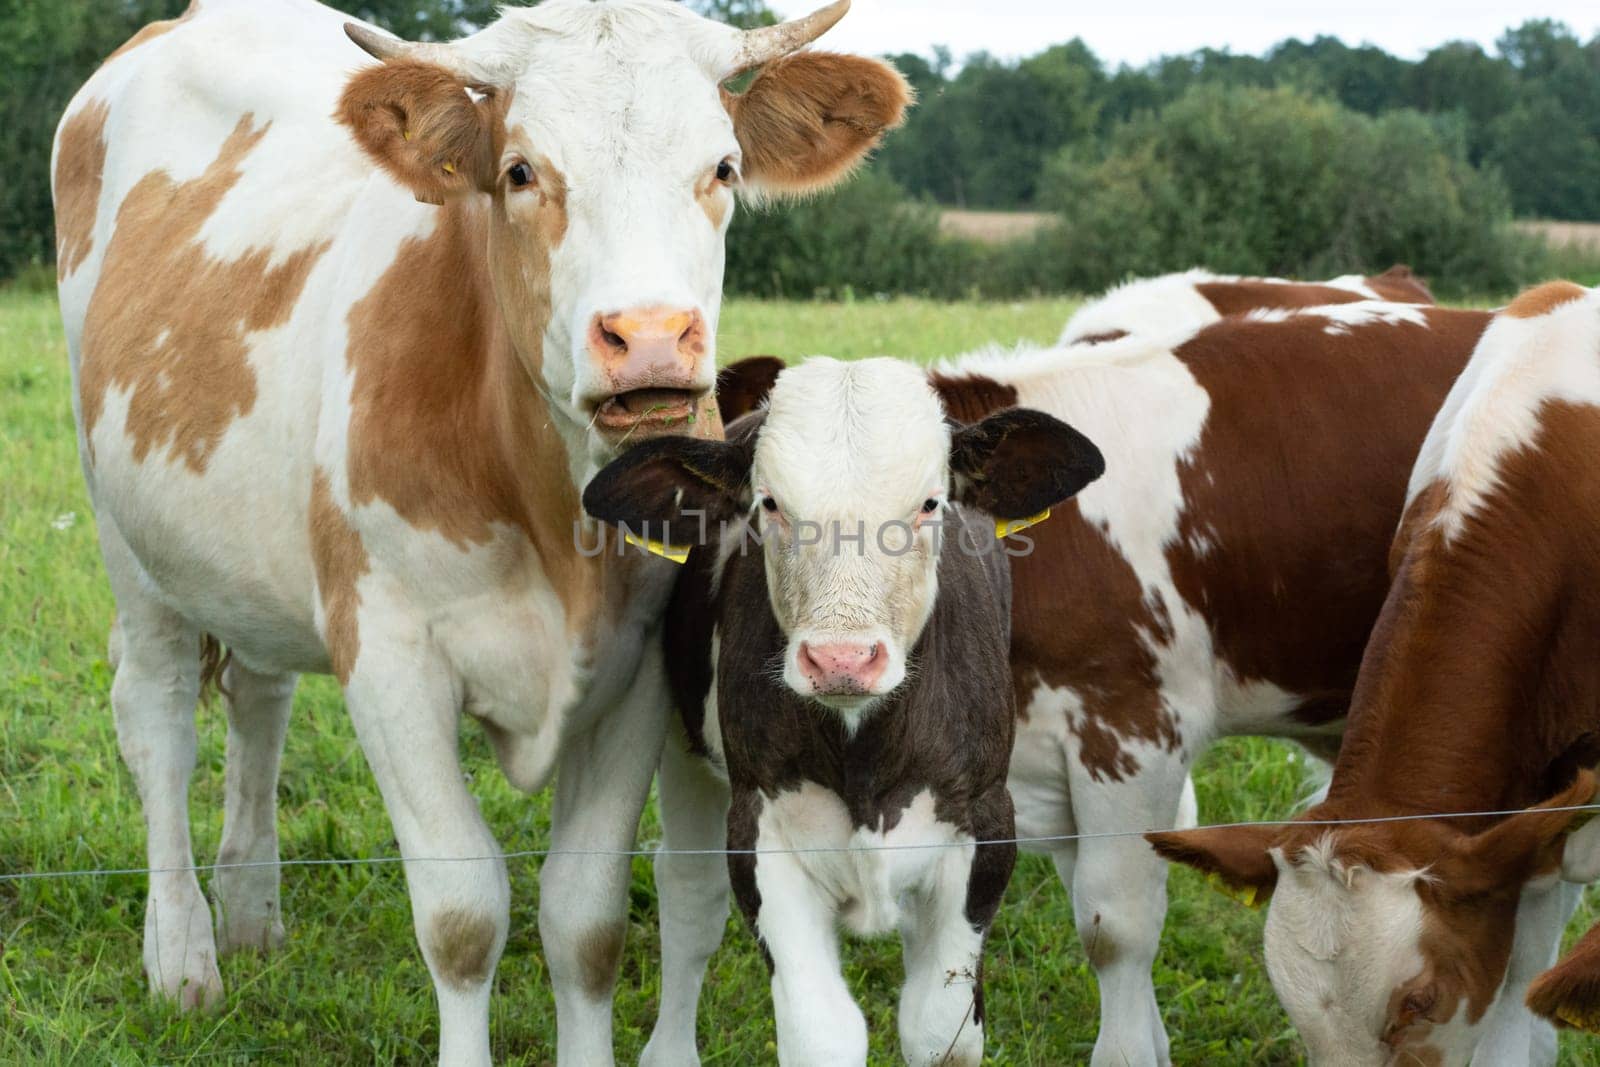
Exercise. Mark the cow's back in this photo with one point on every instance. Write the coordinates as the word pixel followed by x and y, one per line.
pixel 1224 574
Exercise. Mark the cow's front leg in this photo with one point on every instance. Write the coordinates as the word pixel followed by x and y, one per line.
pixel 1119 896
pixel 403 702
pixel 602 781
pixel 941 1003
pixel 1513 1035
pixel 691 894
pixel 816 1018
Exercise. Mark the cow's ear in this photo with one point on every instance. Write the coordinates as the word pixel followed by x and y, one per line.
pixel 1235 859
pixel 419 122
pixel 808 119
pixel 1524 845
pixel 1017 463
pixel 743 386
pixel 1568 994
pixel 673 489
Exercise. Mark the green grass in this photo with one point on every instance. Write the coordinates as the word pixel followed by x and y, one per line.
pixel 350 986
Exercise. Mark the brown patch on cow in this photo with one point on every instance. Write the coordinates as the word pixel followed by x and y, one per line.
pixel 461 945
pixel 447 424
pixel 1257 546
pixel 153 30
pixel 1401 285
pixel 171 324
pixel 808 119
pixel 714 201
pixel 416 120
pixel 1423 509
pixel 1543 299
pixel 1099 946
pixel 971 397
pixel 745 385
pixel 1256 294
pixel 340 560
pixel 80 170
pixel 599 959
pixel 1568 994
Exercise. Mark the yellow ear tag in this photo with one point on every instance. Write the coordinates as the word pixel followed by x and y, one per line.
pixel 1007 527
pixel 406 134
pixel 1579 1019
pixel 1245 896
pixel 657 548
pixel 449 168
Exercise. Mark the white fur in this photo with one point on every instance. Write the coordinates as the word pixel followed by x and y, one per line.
pixel 1146 305
pixel 619 95
pixel 851 448
pixel 1493 409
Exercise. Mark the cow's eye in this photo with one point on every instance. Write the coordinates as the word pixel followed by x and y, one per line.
pixel 929 506
pixel 520 175
pixel 769 505
pixel 725 172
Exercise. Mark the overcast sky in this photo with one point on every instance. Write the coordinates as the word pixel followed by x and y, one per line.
pixel 1134 31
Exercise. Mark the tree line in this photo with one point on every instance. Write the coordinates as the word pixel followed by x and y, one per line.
pixel 1310 159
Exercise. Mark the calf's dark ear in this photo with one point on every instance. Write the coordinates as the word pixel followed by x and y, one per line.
pixel 1017 463
pixel 1235 859
pixel 742 386
pixel 1568 994
pixel 662 487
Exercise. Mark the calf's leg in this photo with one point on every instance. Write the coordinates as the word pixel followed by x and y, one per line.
pixel 1513 1035
pixel 692 894
pixel 247 897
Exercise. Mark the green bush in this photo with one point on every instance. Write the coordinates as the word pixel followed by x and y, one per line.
pixel 1271 181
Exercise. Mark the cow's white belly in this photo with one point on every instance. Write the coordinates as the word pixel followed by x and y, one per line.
pixel 870 889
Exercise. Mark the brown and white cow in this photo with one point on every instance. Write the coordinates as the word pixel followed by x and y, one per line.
pixel 1415 941
pixel 853 601
pixel 347 341
pixel 1198 297
pixel 1222 578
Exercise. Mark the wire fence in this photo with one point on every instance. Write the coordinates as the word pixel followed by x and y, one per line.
pixel 646 851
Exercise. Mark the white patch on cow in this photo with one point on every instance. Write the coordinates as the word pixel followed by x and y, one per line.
pixel 850 452
pixel 1269 315
pixel 1493 409
pixel 1147 306
pixel 1353 283
pixel 1339 941
pixel 1037 780
pixel 1344 319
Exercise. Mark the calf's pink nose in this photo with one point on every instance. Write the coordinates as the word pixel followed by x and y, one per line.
pixel 842 667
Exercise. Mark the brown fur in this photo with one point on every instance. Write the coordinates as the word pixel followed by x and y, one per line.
pixel 1401 285
pixel 1568 994
pixel 743 386
pixel 1543 299
pixel 461 945
pixel 341 561
pixel 808 119
pixel 600 957
pixel 416 121
pixel 80 169
pixel 1254 294
pixel 171 324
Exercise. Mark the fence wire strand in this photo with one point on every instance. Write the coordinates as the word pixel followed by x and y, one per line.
pixel 542 853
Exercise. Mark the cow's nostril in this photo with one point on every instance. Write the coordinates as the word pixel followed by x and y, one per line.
pixel 615 340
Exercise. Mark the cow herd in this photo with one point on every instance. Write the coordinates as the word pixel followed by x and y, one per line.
pixel 369 357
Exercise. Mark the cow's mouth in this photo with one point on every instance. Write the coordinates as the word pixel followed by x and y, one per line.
pixel 649 410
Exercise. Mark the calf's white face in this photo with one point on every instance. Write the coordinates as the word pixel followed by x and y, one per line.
pixel 600 135
pixel 850 485
pixel 845 480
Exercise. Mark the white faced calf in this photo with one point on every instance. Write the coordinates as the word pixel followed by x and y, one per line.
pixel 864 698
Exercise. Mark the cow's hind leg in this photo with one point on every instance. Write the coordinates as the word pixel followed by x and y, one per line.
pixel 692 894
pixel 156 656
pixel 247 901
pixel 1119 897
pixel 941 1003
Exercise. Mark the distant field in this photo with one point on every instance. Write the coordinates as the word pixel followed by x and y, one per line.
pixel 350 987
pixel 992 227
pixel 1585 235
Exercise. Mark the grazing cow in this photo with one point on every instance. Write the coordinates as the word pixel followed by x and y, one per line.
pixel 1414 941
pixel 1198 297
pixel 347 341
pixel 856 617
pixel 1163 607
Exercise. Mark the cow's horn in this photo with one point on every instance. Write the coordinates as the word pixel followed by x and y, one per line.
pixel 770 42
pixel 462 58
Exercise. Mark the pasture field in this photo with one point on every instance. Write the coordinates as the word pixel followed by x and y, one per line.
pixel 350 986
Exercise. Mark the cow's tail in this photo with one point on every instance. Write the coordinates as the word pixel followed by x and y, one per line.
pixel 214 660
